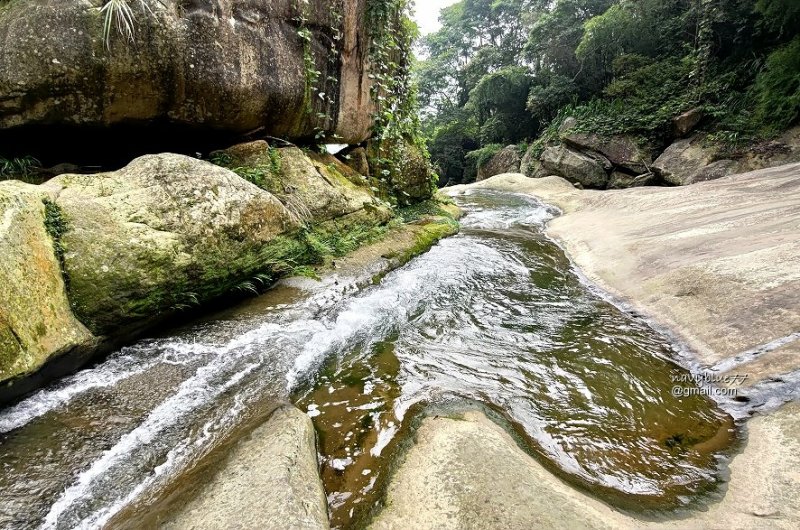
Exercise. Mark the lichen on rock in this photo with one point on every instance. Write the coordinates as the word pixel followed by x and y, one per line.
pixel 36 322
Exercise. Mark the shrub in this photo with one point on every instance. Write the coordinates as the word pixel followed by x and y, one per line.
pixel 481 156
pixel 24 168
pixel 777 89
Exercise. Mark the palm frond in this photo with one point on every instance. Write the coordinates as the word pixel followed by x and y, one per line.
pixel 119 13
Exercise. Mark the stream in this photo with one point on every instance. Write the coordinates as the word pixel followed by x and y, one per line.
pixel 494 317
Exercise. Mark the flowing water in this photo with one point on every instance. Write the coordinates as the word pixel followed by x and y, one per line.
pixel 494 316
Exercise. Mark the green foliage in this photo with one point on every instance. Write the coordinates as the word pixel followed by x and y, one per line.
pixel 56 227
pixel 449 144
pixel 483 155
pixel 777 89
pixel 549 94
pixel 25 168
pixel 317 88
pixel 264 175
pixel 298 254
pixel 427 208
pixel 396 129
pixel 498 104
pixel 779 15
pixel 119 13
pixel 619 66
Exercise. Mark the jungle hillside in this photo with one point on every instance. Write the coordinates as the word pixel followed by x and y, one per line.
pixel 510 72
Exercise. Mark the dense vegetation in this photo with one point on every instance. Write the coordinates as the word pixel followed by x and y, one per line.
pixel 505 72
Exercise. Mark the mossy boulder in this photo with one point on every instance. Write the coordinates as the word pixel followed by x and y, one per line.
pixel 315 187
pixel 36 322
pixel 404 167
pixel 163 233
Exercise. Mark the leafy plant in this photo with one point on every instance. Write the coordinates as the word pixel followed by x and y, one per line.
pixel 119 13
pixel 19 168
pixel 56 226
pixel 777 89
pixel 483 155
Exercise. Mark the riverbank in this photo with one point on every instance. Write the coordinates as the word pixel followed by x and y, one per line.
pixel 717 263
pixel 714 263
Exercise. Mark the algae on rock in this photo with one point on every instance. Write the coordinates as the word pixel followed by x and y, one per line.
pixel 164 232
pixel 36 322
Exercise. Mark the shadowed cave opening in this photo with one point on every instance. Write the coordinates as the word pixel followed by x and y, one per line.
pixel 91 149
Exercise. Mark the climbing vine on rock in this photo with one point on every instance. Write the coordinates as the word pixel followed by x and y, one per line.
pixel 316 86
pixel 309 64
pixel 394 91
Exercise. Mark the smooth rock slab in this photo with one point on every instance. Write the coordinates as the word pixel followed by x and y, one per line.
pixel 468 473
pixel 269 481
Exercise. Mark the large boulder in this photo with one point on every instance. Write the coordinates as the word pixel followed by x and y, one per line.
pixel 621 150
pixel 621 180
pixel 410 177
pixel 575 166
pixel 785 149
pixel 507 160
pixel 357 160
pixel 222 65
pixel 685 123
pixel 531 166
pixel 165 232
pixel 36 322
pixel 689 161
pixel 314 187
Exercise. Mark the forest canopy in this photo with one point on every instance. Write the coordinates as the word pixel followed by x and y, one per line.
pixel 503 72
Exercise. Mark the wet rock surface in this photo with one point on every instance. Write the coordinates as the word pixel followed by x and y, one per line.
pixel 269 480
pixel 466 472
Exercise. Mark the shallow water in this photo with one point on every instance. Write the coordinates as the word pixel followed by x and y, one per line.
pixel 494 315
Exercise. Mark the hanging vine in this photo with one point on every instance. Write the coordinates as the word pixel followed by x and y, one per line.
pixel 316 87
pixel 396 120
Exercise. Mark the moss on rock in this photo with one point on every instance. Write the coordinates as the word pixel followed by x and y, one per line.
pixel 35 318
pixel 164 232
